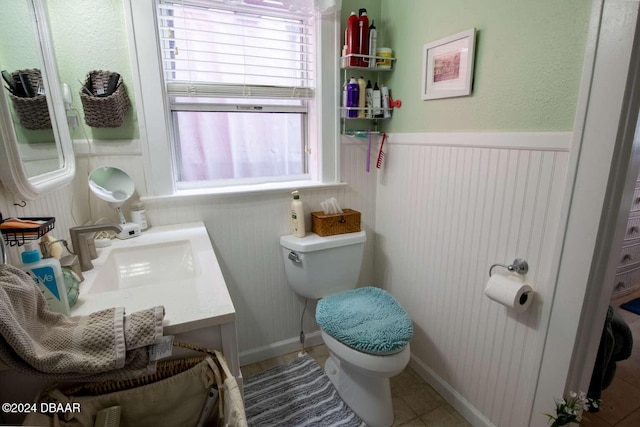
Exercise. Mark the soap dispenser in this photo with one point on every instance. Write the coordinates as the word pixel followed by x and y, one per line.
pixel 47 274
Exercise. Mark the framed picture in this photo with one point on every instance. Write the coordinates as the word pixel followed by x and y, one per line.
pixel 447 66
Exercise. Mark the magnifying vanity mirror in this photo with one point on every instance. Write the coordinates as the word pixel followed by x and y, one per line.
pixel 36 153
pixel 115 186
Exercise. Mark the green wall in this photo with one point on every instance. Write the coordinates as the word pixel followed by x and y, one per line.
pixel 91 35
pixel 529 57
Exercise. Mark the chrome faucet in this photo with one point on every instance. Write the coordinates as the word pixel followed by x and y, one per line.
pixel 81 244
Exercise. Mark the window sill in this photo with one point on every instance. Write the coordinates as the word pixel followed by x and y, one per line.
pixel 241 190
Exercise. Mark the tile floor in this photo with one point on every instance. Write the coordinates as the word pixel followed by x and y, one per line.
pixel 415 402
pixel 620 405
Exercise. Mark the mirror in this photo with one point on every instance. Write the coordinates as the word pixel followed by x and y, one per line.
pixel 112 185
pixel 115 186
pixel 36 154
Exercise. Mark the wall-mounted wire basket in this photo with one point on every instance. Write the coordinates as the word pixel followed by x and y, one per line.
pixel 104 111
pixel 32 112
pixel 16 235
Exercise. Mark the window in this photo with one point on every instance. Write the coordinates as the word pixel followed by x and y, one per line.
pixel 255 106
pixel 239 80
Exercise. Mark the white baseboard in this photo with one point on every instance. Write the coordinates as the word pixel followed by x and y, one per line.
pixel 279 348
pixel 455 399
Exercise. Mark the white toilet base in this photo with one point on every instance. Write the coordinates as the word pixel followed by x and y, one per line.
pixel 369 397
pixel 362 379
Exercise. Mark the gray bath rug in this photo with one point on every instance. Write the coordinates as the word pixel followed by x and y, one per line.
pixel 296 394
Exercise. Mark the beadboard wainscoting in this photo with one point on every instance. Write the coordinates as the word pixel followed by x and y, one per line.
pixel 448 207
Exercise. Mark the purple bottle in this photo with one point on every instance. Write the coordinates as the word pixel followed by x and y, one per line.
pixel 353 96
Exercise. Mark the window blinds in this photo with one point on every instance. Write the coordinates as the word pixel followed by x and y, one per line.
pixel 250 49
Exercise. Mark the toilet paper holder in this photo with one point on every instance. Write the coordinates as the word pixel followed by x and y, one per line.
pixel 519 266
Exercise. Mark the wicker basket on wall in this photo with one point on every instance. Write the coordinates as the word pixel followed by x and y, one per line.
pixel 104 111
pixel 32 112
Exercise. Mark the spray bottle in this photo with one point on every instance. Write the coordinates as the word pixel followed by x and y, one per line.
pixel 373 44
pixel 363 36
pixel 352 39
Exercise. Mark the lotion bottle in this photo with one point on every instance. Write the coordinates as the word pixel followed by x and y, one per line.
pixel 139 215
pixel 362 87
pixel 297 216
pixel 386 111
pixel 47 274
pixel 377 102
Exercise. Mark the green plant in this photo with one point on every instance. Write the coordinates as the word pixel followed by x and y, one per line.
pixel 570 410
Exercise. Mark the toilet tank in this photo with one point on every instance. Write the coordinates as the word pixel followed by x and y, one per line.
pixel 318 266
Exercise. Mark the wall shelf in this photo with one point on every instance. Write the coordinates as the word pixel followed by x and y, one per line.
pixel 16 235
pixel 372 121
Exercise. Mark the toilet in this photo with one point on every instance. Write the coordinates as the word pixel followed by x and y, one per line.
pixel 365 329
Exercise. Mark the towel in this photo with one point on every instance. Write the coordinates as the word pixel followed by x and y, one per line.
pixel 367 319
pixel 102 345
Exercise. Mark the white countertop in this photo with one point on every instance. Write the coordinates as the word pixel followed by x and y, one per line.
pixel 190 304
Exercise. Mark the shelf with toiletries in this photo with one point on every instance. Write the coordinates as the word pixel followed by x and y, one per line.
pixel 16 231
pixel 374 106
pixel 364 96
pixel 380 63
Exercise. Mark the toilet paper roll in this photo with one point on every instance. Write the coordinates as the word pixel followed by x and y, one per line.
pixel 509 291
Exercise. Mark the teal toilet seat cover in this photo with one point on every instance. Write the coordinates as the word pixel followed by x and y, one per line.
pixel 366 319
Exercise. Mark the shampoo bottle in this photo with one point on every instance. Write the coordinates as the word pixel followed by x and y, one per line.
pixel 297 216
pixel 368 103
pixel 47 274
pixel 362 88
pixel 353 97
pixel 377 102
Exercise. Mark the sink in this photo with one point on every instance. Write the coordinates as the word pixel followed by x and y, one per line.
pixel 146 265
pixel 173 265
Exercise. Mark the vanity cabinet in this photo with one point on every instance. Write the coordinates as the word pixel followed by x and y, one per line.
pixel 362 126
pixel 627 277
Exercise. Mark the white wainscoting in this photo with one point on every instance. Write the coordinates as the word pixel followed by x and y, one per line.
pixel 448 207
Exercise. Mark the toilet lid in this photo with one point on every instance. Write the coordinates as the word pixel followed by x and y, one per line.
pixel 366 319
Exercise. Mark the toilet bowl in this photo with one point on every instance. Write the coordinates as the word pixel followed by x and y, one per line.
pixel 362 356
pixel 362 379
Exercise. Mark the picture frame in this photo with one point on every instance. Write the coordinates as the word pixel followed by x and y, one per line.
pixel 447 66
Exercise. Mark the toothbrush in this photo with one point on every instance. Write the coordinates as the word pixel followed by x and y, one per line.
pixel 381 152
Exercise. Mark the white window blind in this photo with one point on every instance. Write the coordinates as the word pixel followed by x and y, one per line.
pixel 249 49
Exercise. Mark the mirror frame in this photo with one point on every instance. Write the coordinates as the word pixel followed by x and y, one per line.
pixel 12 171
